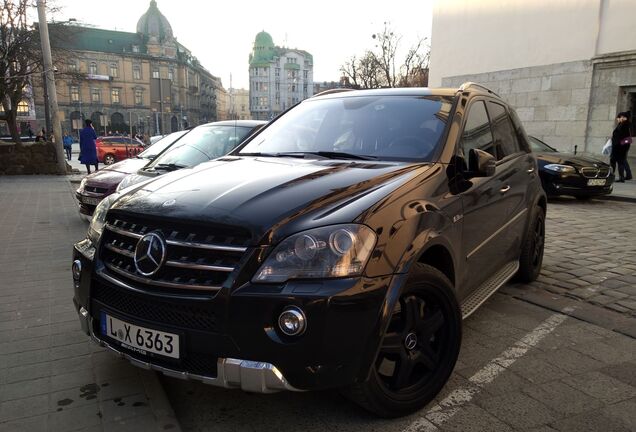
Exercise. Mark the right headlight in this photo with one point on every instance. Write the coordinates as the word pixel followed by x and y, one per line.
pixel 99 218
pixel 560 168
pixel 326 252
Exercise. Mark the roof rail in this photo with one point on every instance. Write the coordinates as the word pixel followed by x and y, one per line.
pixel 470 84
pixel 331 91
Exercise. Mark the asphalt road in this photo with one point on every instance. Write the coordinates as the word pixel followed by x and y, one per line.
pixel 524 365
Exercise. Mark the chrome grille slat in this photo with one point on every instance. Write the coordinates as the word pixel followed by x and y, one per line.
pixel 123 252
pixel 194 266
pixel 160 283
pixel 123 232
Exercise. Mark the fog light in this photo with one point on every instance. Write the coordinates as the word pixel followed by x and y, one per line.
pixel 292 321
pixel 76 268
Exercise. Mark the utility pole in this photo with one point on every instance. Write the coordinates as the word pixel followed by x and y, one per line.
pixel 50 85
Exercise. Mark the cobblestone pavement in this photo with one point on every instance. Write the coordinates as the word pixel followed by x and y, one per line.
pixel 590 253
pixel 51 377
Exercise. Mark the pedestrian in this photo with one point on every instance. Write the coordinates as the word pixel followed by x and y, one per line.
pixel 621 141
pixel 67 140
pixel 40 137
pixel 88 149
pixel 30 133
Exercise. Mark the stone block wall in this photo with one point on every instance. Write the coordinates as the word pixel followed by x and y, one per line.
pixel 552 101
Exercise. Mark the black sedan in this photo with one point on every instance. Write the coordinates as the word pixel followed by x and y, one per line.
pixel 568 174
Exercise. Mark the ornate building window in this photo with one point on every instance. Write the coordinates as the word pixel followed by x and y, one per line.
pixel 139 97
pixel 114 70
pixel 96 95
pixel 170 74
pixel 72 66
pixel 135 48
pixel 155 72
pixel 137 72
pixel 305 74
pixel 75 94
pixel 92 68
pixel 23 107
pixel 114 96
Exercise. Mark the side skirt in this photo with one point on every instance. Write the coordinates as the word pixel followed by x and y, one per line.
pixel 488 288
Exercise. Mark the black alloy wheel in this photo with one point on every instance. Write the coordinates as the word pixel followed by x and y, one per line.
pixel 419 349
pixel 531 257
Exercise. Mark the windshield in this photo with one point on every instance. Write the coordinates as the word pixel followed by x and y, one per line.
pixel 539 146
pixel 367 127
pixel 203 143
pixel 161 145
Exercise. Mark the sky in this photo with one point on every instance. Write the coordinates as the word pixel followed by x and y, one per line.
pixel 221 34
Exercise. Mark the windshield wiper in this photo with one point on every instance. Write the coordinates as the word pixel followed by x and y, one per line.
pixel 323 154
pixel 169 166
pixel 339 155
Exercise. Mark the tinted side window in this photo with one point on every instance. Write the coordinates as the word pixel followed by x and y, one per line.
pixel 505 137
pixel 477 132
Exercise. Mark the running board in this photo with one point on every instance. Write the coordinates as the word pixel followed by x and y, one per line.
pixel 488 288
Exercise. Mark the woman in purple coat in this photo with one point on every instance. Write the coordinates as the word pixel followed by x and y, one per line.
pixel 88 150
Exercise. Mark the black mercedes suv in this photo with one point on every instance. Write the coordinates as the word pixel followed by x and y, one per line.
pixel 339 247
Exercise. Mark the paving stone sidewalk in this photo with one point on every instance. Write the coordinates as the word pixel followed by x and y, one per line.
pixel 51 377
pixel 590 253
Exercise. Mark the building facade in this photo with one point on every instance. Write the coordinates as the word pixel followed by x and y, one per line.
pixel 143 82
pixel 568 66
pixel 279 77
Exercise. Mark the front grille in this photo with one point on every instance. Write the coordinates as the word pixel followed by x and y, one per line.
pixel 593 172
pixel 174 312
pixel 197 257
pixel 95 189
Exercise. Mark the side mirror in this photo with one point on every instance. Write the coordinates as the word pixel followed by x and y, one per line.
pixel 481 163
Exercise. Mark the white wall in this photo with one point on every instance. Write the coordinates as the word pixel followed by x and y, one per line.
pixel 477 36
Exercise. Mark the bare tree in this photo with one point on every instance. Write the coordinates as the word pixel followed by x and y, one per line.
pixel 379 67
pixel 19 59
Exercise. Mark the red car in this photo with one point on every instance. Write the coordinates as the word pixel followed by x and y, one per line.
pixel 111 149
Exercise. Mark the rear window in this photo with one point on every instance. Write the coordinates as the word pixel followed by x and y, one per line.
pixel 379 127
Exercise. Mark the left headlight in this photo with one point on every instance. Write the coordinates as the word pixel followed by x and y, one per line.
pixel 99 218
pixel 82 184
pixel 560 168
pixel 327 252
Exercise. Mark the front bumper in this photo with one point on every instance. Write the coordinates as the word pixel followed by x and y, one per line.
pixel 573 184
pixel 250 376
pixel 343 331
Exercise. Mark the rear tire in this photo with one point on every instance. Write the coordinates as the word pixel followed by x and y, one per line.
pixel 419 349
pixel 531 257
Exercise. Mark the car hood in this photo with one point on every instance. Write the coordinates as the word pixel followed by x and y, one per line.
pixel 577 161
pixel 115 172
pixel 271 197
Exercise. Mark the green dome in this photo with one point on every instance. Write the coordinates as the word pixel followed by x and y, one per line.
pixel 154 24
pixel 264 40
pixel 263 51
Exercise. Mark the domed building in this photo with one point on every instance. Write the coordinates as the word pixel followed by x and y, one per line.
pixel 144 81
pixel 279 77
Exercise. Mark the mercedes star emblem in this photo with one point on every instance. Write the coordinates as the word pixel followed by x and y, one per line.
pixel 150 254
pixel 411 341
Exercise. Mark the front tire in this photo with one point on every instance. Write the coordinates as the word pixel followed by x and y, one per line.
pixel 109 159
pixel 531 257
pixel 419 349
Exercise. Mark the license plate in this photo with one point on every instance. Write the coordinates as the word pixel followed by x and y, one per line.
pixel 90 200
pixel 140 339
pixel 596 182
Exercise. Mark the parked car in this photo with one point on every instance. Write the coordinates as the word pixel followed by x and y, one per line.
pixel 568 174
pixel 111 149
pixel 95 187
pixel 204 143
pixel 339 247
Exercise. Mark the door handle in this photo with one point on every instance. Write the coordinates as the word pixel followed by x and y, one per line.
pixel 530 170
pixel 504 189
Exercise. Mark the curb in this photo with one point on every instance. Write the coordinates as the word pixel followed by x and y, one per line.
pixel 620 198
pixel 159 403
pixel 581 310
